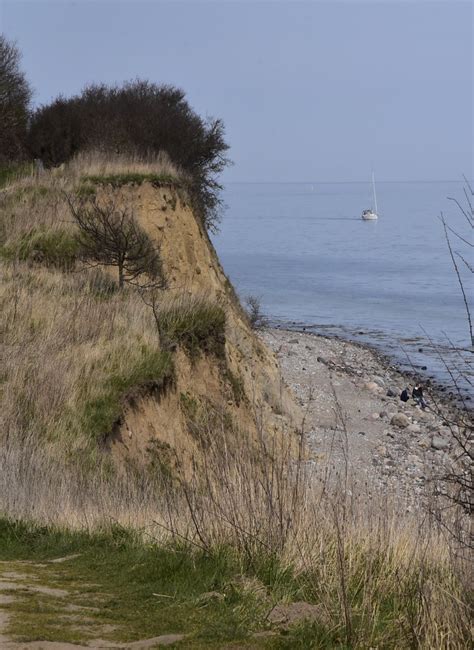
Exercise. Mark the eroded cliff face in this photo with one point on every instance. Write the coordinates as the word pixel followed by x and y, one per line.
pixel 240 394
pixel 85 370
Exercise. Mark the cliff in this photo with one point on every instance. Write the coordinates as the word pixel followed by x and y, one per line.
pixel 85 371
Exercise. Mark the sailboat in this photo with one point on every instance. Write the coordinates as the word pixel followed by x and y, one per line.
pixel 371 214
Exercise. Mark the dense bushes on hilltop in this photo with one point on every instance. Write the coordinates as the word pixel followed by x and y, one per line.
pixel 15 95
pixel 138 118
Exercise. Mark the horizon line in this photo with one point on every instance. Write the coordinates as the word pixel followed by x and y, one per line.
pixel 341 182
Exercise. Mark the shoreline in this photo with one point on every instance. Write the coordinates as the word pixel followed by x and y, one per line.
pixel 355 420
pixel 413 373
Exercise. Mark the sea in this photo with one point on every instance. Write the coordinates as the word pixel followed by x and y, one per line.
pixel 315 265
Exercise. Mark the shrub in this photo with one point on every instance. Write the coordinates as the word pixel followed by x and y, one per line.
pixel 195 323
pixel 139 118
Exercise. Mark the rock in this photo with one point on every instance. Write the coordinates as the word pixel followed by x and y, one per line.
pixel 400 420
pixel 375 416
pixel 383 414
pixel 379 381
pixel 293 341
pixel 391 393
pixel 414 428
pixel 439 443
pixel 373 387
pixel 291 613
pixel 210 595
pixel 362 433
pixel 424 443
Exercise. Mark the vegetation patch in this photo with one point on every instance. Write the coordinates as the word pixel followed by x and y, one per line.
pixel 13 171
pixel 196 324
pixel 56 248
pixel 132 589
pixel 149 373
pixel 237 385
pixel 132 178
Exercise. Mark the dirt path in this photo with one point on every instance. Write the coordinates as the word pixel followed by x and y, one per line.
pixel 25 591
pixel 336 380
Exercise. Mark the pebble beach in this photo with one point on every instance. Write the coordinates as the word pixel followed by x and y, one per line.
pixel 355 422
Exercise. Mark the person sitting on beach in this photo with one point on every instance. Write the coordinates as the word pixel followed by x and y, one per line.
pixel 405 395
pixel 417 395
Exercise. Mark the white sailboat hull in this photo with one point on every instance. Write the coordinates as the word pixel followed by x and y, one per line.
pixel 368 215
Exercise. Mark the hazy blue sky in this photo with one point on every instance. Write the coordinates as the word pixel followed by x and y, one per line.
pixel 308 91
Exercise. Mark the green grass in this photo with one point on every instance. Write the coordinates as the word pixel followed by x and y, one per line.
pixel 149 373
pixel 132 178
pixel 56 248
pixel 196 325
pixel 119 575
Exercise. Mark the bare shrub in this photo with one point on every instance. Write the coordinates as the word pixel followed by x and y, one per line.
pixel 110 236
pixel 257 319
pixel 15 95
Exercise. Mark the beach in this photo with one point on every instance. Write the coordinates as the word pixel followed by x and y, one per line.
pixel 355 424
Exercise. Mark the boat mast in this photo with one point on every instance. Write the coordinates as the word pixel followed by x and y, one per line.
pixel 373 189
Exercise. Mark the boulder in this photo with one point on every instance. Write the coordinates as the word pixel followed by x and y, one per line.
pixel 414 428
pixel 373 387
pixel 391 392
pixel 379 381
pixel 400 420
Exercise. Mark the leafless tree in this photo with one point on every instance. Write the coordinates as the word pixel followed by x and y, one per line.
pixel 110 236
pixel 15 95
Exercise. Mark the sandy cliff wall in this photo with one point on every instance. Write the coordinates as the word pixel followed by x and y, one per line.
pixel 244 391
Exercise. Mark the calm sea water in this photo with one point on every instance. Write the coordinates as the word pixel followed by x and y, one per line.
pixel 303 249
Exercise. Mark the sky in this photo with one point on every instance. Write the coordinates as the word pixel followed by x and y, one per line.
pixel 308 91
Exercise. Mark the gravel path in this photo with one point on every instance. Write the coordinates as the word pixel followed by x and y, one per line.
pixel 355 419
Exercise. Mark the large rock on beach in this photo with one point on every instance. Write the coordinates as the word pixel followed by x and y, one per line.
pixel 400 420
pixel 373 387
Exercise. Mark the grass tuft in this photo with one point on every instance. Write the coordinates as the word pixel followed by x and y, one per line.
pixel 57 248
pixel 195 323
pixel 132 178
